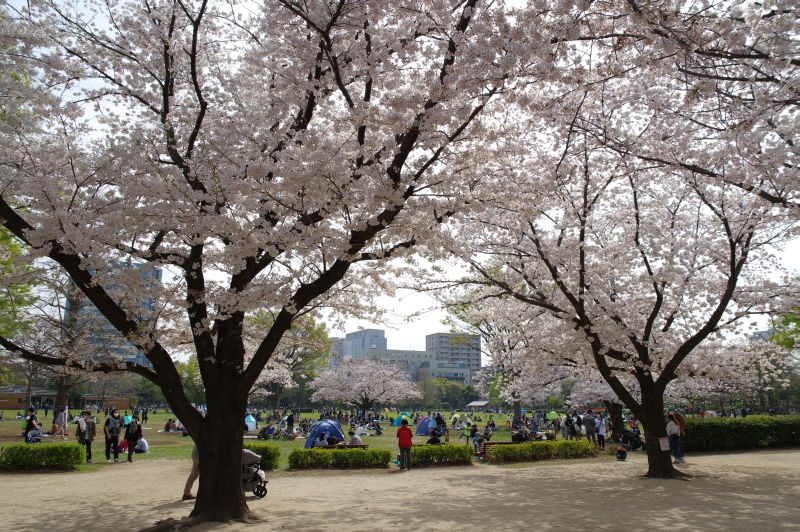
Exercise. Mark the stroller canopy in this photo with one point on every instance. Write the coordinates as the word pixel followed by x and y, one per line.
pixel 328 426
pixel 426 426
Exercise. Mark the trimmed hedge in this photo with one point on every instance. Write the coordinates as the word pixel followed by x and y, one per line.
pixel 339 458
pixel 270 454
pixel 724 433
pixel 41 456
pixel 440 455
pixel 540 450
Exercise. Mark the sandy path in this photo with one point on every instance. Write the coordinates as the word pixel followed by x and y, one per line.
pixel 744 491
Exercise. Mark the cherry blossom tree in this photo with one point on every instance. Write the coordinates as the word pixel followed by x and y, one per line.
pixel 257 152
pixel 365 384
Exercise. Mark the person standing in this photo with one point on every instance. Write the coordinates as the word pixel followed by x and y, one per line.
pixel 86 432
pixel 193 474
pixel 111 429
pixel 133 433
pixel 591 428
pixel 601 432
pixel 290 423
pixel 674 436
pixel 60 422
pixel 404 436
pixel 144 416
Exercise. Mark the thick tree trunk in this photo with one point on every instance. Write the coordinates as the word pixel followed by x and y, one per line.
pixel 659 462
pixel 617 423
pixel 220 496
pixel 518 411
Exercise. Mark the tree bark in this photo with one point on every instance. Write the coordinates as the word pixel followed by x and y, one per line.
pixel 518 410
pixel 659 463
pixel 617 423
pixel 219 495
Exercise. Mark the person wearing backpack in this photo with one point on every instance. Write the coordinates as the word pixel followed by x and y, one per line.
pixel 111 429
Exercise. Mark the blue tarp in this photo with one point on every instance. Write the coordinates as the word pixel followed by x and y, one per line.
pixel 426 426
pixel 328 426
pixel 250 421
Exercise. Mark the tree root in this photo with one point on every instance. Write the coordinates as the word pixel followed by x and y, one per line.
pixel 186 523
pixel 677 475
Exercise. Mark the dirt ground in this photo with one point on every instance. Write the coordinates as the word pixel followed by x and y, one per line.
pixel 741 491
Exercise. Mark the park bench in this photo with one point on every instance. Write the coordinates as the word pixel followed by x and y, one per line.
pixel 485 446
pixel 346 446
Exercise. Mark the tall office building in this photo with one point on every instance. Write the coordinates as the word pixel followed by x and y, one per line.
pixel 455 348
pixel 104 335
pixel 357 344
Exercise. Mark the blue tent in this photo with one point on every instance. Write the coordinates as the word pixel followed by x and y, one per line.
pixel 399 419
pixel 328 426
pixel 426 426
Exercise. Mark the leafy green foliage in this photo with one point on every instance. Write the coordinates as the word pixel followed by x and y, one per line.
pixel 718 434
pixel 41 456
pixel 339 458
pixel 440 455
pixel 540 450
pixel 270 454
pixel 13 295
pixel 787 329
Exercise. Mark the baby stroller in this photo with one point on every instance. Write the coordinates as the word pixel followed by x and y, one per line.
pixel 631 440
pixel 34 436
pixel 253 477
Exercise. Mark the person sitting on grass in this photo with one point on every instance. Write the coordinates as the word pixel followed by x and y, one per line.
pixel 168 425
pixel 322 441
pixel 434 439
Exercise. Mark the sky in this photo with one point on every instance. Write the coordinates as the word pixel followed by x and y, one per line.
pixel 406 330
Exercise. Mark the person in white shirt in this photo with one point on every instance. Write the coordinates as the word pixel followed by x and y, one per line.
pixel 361 431
pixel 354 439
pixel 674 435
pixel 601 432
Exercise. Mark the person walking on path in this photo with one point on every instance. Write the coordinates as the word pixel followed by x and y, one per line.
pixel 86 433
pixel 133 433
pixel 404 436
pixel 111 429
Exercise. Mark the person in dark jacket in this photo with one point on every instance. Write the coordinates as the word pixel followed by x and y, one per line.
pixel 111 429
pixel 86 432
pixel 133 433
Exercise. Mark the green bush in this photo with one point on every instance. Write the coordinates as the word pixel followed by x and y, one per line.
pixel 41 456
pixel 339 458
pixel 270 454
pixel 540 450
pixel 724 433
pixel 437 455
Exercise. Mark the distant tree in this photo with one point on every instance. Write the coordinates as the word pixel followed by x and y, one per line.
pixel 365 384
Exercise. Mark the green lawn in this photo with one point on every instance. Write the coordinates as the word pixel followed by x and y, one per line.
pixel 172 446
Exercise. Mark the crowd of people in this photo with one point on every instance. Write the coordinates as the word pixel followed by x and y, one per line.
pixel 122 433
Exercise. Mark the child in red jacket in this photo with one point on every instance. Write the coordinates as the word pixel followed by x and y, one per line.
pixel 404 436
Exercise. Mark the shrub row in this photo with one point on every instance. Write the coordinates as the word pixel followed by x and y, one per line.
pixel 41 456
pixel 437 455
pixel 540 450
pixel 270 454
pixel 723 433
pixel 339 458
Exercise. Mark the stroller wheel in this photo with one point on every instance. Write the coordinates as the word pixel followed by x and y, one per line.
pixel 260 491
